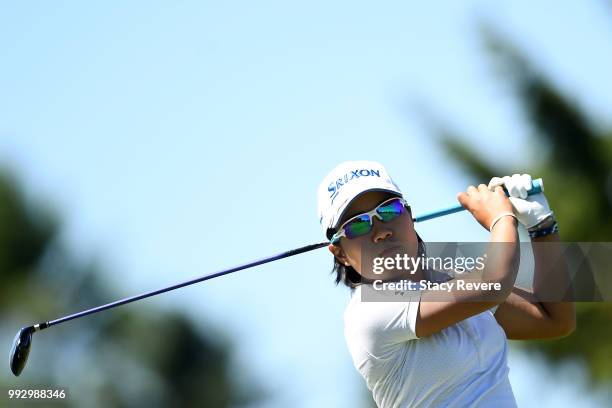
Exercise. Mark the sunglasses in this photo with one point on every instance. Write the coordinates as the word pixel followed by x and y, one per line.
pixel 361 224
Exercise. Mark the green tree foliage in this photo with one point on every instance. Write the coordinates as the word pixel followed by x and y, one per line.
pixel 133 356
pixel 575 159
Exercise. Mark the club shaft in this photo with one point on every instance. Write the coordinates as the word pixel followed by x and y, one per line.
pixel 131 299
pixel 537 186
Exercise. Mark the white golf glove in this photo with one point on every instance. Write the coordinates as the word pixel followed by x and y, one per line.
pixel 530 210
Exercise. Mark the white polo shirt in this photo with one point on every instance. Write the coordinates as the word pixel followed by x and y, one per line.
pixel 463 365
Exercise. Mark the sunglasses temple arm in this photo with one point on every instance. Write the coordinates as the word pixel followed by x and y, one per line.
pixel 537 186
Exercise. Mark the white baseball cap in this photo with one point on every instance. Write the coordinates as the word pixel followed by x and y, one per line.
pixel 347 182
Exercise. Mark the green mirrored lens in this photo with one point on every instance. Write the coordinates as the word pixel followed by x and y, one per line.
pixel 391 210
pixel 359 226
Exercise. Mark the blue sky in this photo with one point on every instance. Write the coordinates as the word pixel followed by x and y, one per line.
pixel 178 139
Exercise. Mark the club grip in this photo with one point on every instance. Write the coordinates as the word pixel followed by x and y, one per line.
pixel 537 186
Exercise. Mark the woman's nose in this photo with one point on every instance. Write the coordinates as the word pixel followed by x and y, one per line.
pixel 380 231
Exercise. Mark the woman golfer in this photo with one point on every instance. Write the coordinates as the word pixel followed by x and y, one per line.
pixel 430 349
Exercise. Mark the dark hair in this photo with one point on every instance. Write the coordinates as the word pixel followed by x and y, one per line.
pixel 351 278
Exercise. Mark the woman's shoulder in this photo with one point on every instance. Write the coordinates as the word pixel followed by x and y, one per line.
pixel 368 305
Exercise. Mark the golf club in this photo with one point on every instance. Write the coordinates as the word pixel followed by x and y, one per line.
pixel 23 339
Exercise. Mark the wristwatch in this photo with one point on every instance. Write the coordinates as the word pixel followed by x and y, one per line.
pixel 545 227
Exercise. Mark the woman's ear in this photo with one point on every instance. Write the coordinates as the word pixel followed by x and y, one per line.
pixel 339 254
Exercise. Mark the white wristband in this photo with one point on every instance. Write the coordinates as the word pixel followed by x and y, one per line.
pixel 499 217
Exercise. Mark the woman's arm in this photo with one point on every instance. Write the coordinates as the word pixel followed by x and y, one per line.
pixel 523 315
pixel 501 266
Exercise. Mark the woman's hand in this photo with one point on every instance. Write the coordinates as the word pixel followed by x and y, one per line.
pixel 529 210
pixel 484 204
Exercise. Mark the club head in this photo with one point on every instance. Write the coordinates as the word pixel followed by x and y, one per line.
pixel 21 349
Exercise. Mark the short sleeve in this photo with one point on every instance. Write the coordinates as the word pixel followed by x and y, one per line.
pixel 383 323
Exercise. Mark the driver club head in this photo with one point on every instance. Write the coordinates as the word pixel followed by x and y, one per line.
pixel 21 349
